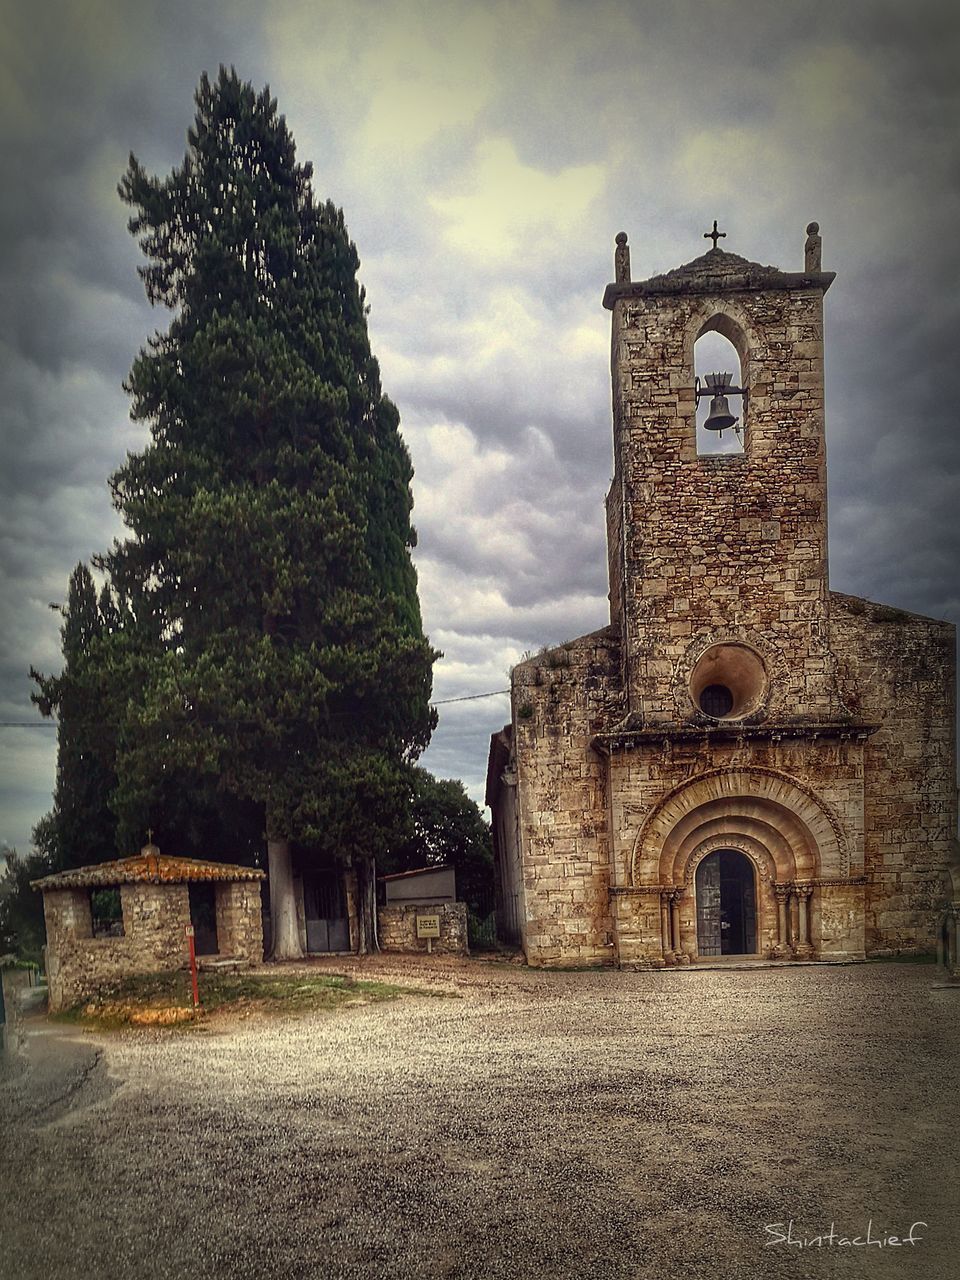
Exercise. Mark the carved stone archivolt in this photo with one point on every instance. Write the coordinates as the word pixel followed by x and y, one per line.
pixel 760 857
pixel 764 808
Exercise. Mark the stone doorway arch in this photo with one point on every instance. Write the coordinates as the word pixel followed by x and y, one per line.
pixel 788 834
pixel 727 904
pixel 783 824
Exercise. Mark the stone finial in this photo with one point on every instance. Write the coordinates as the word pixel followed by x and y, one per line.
pixel 812 249
pixel 621 259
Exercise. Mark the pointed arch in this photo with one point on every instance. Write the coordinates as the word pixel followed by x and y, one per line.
pixel 706 355
pixel 723 316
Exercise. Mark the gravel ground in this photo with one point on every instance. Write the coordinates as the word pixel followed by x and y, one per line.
pixel 531 1124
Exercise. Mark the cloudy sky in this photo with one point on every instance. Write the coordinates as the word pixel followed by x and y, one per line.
pixel 485 155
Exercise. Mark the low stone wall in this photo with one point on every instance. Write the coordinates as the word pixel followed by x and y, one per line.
pixel 397 927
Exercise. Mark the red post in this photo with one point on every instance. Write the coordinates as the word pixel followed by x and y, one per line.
pixel 193 966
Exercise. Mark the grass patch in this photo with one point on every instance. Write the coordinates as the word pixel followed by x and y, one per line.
pixel 166 999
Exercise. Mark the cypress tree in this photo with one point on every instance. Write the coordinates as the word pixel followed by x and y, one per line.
pixel 269 516
pixel 80 828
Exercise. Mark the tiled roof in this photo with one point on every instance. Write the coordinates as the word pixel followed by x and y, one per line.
pixel 148 866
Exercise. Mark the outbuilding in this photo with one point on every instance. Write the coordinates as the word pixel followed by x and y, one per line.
pixel 111 920
pixel 415 896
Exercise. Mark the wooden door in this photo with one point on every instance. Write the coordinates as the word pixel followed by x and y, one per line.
pixel 708 906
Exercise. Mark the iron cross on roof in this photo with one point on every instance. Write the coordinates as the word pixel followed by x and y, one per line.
pixel 714 235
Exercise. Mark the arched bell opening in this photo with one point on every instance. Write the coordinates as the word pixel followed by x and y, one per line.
pixel 726 888
pixel 720 417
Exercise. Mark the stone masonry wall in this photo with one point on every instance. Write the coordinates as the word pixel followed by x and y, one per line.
pixel 718 583
pixel 240 921
pixel 397 926
pixel 560 699
pixel 78 965
pixel 899 668
pixel 828 772
pixel 716 544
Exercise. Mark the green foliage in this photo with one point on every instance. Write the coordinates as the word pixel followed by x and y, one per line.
pixel 80 828
pixel 21 908
pixel 447 827
pixel 108 657
pixel 280 653
pixel 106 912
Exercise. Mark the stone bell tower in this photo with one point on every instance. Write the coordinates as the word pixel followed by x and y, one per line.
pixel 718 563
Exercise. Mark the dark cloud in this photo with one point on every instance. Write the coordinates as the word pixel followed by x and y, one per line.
pixel 496 352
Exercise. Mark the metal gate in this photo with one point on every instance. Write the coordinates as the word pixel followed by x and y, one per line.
pixel 325 911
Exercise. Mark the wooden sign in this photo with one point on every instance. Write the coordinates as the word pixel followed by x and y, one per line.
pixel 428 926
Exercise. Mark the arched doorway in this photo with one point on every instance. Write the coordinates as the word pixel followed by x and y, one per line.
pixel 726 905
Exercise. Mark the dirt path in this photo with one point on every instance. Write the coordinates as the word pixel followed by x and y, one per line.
pixel 530 1124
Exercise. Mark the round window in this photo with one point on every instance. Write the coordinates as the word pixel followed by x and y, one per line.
pixel 728 682
pixel 716 700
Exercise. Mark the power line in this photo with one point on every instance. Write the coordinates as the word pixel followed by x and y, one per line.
pixel 55 724
pixel 471 697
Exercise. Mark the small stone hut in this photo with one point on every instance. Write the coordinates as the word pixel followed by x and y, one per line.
pixel 109 921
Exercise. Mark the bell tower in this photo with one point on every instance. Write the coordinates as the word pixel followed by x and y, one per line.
pixel 718 562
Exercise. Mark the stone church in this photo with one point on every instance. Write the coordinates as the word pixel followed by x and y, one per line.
pixel 744 762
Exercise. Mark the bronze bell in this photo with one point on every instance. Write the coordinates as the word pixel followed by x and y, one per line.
pixel 719 416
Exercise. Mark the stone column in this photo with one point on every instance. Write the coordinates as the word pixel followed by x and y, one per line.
pixel 782 949
pixel 668 953
pixel 793 922
pixel 675 896
pixel 803 949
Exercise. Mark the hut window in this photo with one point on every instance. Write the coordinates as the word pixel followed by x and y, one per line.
pixel 107 913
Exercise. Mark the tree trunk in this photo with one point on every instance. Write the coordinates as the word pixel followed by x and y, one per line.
pixel 367 906
pixel 283 907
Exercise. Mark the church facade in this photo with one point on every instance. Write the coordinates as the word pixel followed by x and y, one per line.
pixel 743 762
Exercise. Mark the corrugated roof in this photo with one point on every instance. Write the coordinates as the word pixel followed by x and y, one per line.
pixel 149 866
pixel 418 871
